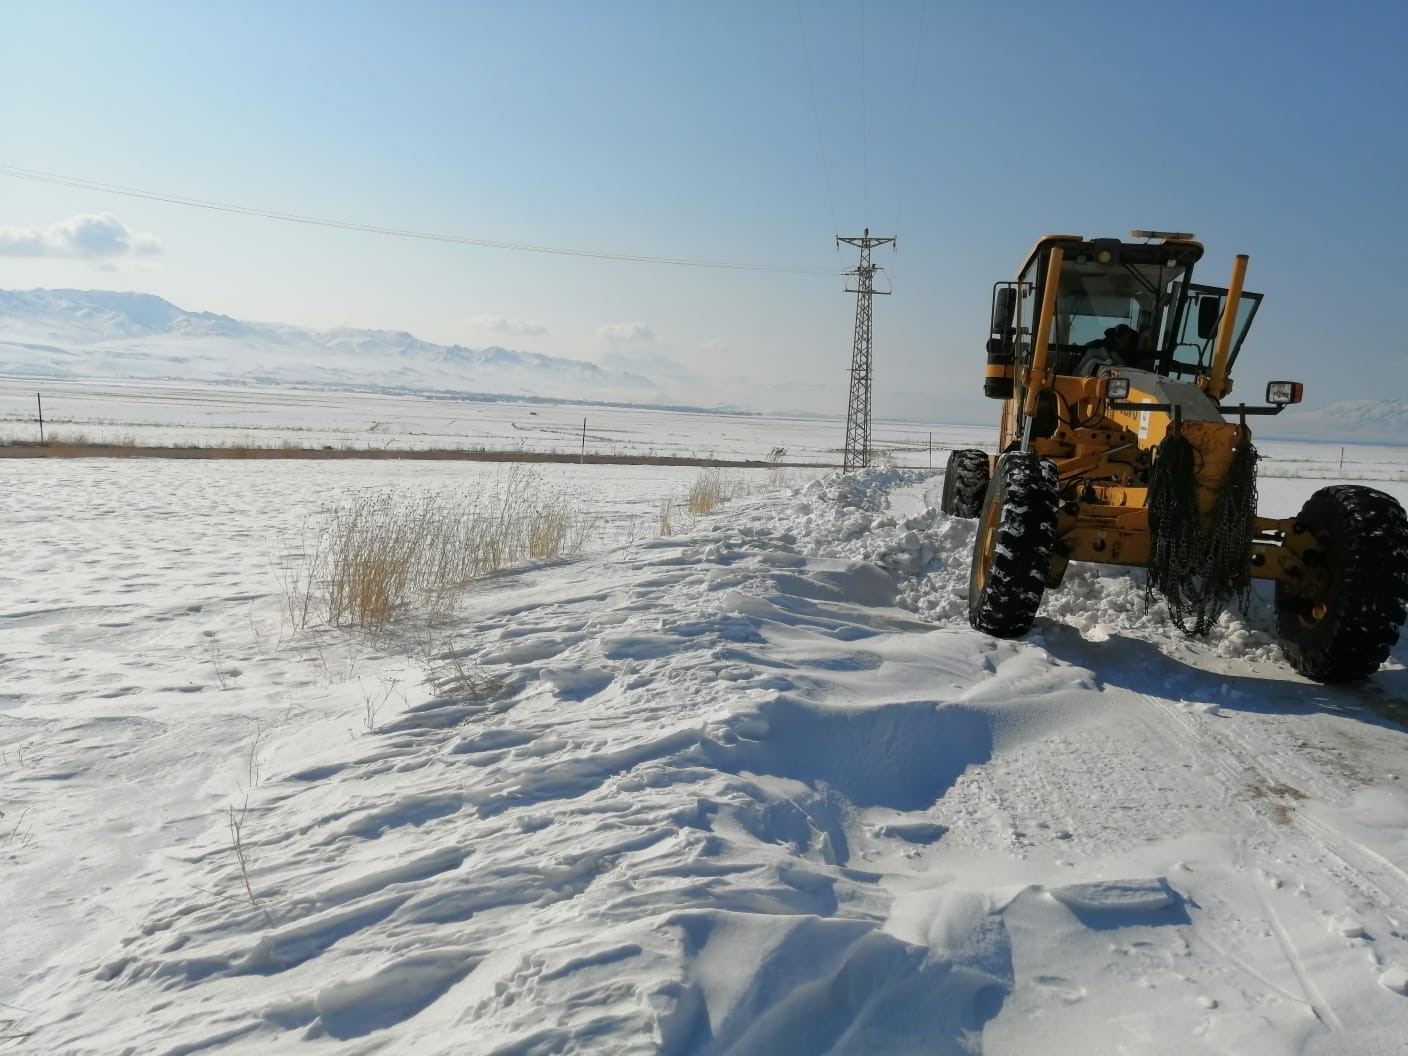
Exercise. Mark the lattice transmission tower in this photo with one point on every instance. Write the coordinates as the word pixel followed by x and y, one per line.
pixel 857 454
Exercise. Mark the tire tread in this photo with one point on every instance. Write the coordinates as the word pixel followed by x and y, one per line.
pixel 1027 488
pixel 1359 630
pixel 965 482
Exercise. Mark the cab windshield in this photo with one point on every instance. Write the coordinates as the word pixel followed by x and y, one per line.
pixel 1096 297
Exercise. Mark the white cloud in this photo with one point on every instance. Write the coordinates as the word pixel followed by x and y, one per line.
pixel 501 324
pixel 88 236
pixel 626 332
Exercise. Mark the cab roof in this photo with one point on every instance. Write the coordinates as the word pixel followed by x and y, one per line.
pixel 1188 247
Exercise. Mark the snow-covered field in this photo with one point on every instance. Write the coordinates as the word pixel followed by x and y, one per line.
pixel 752 788
pixel 180 413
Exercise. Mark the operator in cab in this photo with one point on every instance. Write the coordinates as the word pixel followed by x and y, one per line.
pixel 1120 347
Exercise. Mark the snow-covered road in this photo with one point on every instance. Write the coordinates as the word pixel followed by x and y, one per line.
pixel 753 789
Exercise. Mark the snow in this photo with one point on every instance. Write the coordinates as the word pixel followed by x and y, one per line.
pixel 1382 421
pixel 1115 896
pixel 184 413
pixel 101 334
pixel 754 787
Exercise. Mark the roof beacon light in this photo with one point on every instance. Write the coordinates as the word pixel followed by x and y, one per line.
pixel 1167 236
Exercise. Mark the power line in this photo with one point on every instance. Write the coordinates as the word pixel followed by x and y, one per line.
pixel 816 119
pixel 908 142
pixel 37 176
pixel 864 124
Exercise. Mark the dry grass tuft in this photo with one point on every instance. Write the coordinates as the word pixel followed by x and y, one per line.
pixel 68 438
pixel 379 555
pixel 708 492
pixel 549 532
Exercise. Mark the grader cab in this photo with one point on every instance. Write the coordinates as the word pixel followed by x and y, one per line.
pixel 1117 444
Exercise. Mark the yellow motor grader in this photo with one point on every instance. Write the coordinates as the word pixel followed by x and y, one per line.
pixel 1118 445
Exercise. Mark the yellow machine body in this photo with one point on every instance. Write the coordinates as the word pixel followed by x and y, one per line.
pixel 1058 407
pixel 1118 445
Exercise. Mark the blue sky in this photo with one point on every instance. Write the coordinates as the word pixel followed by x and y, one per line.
pixel 687 130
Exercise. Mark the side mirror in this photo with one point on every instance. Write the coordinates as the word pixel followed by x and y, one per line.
pixel 1004 306
pixel 1281 393
pixel 1209 312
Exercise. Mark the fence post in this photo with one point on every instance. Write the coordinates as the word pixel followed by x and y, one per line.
pixel 40 401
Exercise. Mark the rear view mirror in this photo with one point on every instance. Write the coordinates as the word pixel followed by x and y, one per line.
pixel 1209 312
pixel 1004 305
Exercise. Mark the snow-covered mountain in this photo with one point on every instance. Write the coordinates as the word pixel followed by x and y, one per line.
pixel 96 333
pixel 1373 421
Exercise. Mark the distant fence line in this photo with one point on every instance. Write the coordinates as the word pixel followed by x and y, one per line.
pixel 62 450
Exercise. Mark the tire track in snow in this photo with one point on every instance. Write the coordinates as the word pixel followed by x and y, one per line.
pixel 1263 789
pixel 1271 796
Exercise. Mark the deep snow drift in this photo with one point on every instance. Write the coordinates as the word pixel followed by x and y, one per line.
pixel 755 788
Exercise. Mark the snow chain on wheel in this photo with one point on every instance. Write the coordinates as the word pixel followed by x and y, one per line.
pixel 1339 619
pixel 965 482
pixel 1012 550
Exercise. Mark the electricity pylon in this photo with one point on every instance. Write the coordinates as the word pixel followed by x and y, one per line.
pixel 857 454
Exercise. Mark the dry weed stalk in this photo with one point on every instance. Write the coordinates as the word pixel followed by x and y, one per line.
pixel 372 704
pixel 18 836
pixel 236 821
pixel 449 672
pixel 235 817
pixel 10 1031
pixel 217 661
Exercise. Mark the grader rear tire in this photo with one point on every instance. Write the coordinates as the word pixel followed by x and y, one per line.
pixel 965 482
pixel 1012 551
pixel 1341 618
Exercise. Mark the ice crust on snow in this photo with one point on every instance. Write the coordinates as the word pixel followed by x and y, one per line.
pixel 1116 895
pixel 753 788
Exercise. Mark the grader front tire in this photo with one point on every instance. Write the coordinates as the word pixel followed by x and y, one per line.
pixel 1012 550
pixel 965 482
pixel 1341 617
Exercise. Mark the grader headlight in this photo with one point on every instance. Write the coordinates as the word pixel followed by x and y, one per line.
pixel 1116 388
